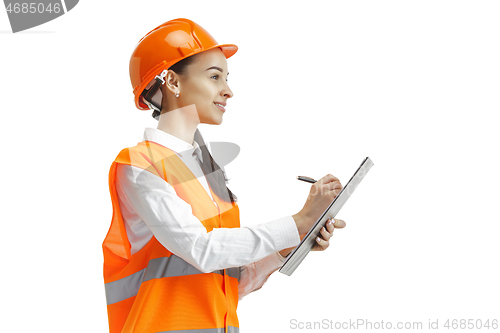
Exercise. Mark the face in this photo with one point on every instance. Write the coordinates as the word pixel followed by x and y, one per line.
pixel 204 84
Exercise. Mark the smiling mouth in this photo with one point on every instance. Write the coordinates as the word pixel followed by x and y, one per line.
pixel 220 106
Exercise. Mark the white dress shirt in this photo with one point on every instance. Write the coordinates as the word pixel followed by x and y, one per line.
pixel 150 206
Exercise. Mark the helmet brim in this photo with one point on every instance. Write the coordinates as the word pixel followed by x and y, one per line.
pixel 228 49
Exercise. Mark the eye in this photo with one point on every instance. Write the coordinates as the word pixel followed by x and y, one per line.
pixel 215 76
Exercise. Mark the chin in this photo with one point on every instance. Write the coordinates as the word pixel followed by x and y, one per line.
pixel 216 121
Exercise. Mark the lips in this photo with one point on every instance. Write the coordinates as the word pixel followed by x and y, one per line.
pixel 221 106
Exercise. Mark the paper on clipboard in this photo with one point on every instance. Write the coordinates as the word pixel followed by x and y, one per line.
pixel 295 257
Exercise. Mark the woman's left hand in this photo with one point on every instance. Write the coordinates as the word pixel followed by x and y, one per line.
pixel 323 242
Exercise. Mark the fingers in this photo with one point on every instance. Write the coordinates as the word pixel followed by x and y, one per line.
pixel 332 183
pixel 329 185
pixel 328 179
pixel 331 224
pixel 339 224
pixel 333 188
pixel 322 243
pixel 326 234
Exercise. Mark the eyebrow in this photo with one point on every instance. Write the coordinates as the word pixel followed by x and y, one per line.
pixel 217 68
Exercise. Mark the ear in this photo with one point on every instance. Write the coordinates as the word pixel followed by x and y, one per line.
pixel 172 83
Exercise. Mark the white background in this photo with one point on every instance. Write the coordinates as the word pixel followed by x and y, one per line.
pixel 318 85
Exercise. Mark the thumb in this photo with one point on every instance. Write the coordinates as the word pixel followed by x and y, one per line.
pixel 339 223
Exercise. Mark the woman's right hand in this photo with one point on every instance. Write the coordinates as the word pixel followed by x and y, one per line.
pixel 320 196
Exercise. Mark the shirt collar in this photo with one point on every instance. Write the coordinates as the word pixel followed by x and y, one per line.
pixel 179 146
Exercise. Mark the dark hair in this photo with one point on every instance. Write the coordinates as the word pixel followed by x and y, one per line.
pixel 179 68
pixel 213 173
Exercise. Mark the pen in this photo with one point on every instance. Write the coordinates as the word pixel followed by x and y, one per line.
pixel 306 179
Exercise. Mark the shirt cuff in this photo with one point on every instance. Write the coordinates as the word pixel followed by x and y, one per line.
pixel 286 232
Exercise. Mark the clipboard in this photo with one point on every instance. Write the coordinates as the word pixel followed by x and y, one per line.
pixel 294 258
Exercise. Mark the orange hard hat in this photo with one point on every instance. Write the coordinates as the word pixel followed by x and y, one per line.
pixel 164 46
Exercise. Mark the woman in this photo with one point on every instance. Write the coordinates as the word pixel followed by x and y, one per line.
pixel 175 257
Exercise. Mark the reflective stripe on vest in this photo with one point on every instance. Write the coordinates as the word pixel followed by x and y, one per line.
pixel 128 286
pixel 154 290
pixel 230 329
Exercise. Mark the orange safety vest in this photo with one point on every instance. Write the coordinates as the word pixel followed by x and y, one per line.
pixel 154 290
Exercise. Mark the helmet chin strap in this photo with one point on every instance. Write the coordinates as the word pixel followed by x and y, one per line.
pixel 148 94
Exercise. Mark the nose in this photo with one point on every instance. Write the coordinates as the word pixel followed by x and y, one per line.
pixel 226 92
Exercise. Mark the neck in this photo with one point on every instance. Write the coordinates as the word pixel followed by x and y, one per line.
pixel 181 122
